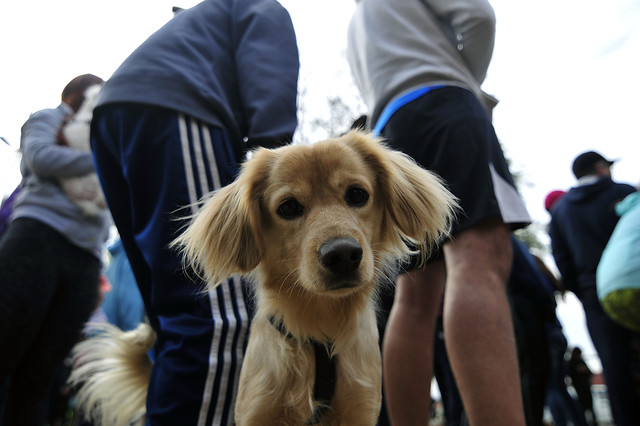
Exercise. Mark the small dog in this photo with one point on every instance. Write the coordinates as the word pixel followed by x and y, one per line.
pixel 84 191
pixel 316 228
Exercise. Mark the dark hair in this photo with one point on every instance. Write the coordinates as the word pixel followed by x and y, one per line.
pixel 80 84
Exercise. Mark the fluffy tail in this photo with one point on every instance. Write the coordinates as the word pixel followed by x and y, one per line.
pixel 111 372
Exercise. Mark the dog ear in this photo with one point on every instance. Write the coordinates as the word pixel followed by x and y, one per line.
pixel 223 238
pixel 416 201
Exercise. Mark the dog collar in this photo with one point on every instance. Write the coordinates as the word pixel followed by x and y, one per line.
pixel 324 386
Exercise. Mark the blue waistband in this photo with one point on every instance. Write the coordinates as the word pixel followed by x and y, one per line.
pixel 390 109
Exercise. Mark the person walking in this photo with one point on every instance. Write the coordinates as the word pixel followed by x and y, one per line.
pixel 581 380
pixel 172 124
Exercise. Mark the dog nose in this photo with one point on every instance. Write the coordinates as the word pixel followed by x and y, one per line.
pixel 340 255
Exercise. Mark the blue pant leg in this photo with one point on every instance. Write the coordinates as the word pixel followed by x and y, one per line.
pixel 165 162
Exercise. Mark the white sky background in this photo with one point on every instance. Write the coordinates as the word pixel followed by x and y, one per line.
pixel 566 74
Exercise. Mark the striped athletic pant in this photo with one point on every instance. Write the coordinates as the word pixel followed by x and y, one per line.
pixel 154 165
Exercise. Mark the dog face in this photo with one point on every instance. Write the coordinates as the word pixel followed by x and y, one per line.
pixel 320 210
pixel 324 218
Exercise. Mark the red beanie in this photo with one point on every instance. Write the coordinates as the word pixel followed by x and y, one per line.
pixel 552 198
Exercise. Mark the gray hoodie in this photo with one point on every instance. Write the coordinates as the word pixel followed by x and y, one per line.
pixel 395 47
pixel 42 198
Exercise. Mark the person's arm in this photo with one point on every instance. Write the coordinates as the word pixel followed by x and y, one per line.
pixel 555 283
pixel 267 67
pixel 42 153
pixel 470 26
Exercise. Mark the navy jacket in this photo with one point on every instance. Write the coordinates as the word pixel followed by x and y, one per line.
pixel 219 62
pixel 581 224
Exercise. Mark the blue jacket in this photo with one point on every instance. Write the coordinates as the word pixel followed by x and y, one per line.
pixel 123 305
pixel 42 198
pixel 205 63
pixel 581 224
pixel 619 266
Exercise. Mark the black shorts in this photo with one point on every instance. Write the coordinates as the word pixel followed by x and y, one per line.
pixel 448 132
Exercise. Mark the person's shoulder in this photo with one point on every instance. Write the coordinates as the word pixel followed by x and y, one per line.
pixel 561 205
pixel 620 188
pixel 48 113
pixel 626 187
pixel 562 215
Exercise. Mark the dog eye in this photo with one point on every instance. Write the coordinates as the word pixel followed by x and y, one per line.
pixel 290 209
pixel 356 196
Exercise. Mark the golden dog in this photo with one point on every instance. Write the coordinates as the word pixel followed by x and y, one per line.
pixel 316 228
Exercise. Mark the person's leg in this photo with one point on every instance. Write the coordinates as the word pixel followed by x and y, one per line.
pixel 154 164
pixel 75 300
pixel 27 288
pixel 74 297
pixel 533 357
pixel 386 297
pixel 560 402
pixel 408 344
pixel 453 409
pixel 478 326
pixel 613 344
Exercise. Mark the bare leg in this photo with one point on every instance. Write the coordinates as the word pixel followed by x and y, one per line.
pixel 408 345
pixel 478 326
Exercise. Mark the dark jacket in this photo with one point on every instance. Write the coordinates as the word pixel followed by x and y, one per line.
pixel 219 62
pixel 528 285
pixel 581 224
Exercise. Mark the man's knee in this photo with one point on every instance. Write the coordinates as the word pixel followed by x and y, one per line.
pixel 484 247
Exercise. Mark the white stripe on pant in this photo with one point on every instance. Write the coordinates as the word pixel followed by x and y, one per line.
pixel 235 314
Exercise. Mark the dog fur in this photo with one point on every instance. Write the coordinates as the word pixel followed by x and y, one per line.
pixel 112 370
pixel 84 191
pixel 315 228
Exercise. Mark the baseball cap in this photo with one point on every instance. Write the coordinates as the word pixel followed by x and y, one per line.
pixel 583 164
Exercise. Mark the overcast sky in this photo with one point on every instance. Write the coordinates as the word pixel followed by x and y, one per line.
pixel 566 73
